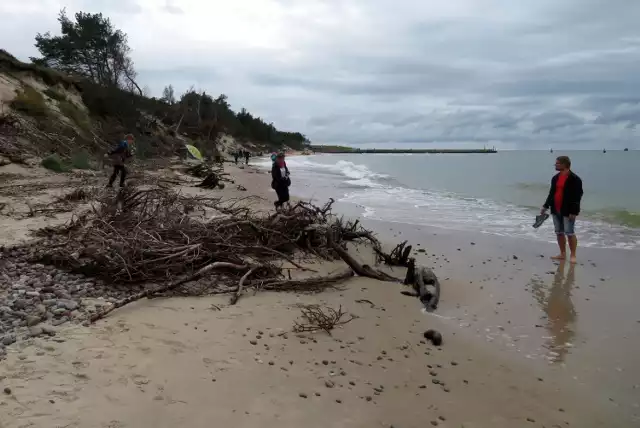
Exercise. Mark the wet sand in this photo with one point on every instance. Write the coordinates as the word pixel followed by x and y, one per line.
pixel 579 321
pixel 198 362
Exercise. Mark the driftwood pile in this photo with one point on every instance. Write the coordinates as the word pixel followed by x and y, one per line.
pixel 168 242
pixel 213 176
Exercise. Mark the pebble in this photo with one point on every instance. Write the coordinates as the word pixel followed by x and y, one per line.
pixel 36 331
pixel 253 342
pixel 20 304
pixel 59 321
pixel 9 339
pixel 329 384
pixel 302 395
pixel 7 390
pixel 70 305
pixel 47 329
pixel 32 320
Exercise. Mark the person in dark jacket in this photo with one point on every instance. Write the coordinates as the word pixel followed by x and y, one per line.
pixel 236 155
pixel 280 180
pixel 118 156
pixel 564 199
pixel 247 155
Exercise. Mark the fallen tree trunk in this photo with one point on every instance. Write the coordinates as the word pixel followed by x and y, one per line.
pixel 360 270
pixel 149 293
pixel 420 278
pixel 312 284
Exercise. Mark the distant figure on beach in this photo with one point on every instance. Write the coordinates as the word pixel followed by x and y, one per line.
pixel 236 156
pixel 564 199
pixel 247 155
pixel 118 156
pixel 280 180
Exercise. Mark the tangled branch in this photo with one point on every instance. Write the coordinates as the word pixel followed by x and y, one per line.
pixel 318 318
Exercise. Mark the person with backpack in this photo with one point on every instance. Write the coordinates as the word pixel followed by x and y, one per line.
pixel 280 180
pixel 119 156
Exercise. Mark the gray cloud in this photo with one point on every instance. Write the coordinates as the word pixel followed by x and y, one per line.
pixel 513 74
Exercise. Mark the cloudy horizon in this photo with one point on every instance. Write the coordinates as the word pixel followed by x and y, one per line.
pixel 463 73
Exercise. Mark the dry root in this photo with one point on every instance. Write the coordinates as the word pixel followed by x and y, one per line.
pixel 318 318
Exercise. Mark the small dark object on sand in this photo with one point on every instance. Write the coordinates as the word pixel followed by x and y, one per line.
pixel 434 336
pixel 7 391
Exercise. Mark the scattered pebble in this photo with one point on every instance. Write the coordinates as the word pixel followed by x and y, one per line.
pixel 329 383
pixel 7 390
pixel 302 395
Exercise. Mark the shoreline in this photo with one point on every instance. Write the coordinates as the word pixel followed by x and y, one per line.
pixel 175 361
pixel 579 321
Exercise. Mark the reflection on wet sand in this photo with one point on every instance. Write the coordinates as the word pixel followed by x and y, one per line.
pixel 557 305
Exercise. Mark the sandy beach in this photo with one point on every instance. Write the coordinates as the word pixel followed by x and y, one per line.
pixel 200 362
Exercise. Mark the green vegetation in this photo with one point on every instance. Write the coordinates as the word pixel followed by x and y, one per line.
pixel 55 163
pixel 55 95
pixel 31 102
pixel 81 160
pixel 88 47
pixel 11 65
pixel 73 112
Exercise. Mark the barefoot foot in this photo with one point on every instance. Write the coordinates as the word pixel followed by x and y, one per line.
pixel 559 257
pixel 573 260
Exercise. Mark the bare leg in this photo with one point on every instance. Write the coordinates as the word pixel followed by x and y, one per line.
pixel 562 243
pixel 573 245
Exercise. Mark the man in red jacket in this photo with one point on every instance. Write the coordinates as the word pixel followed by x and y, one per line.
pixel 564 199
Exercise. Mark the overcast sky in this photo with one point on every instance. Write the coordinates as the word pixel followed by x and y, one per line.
pixel 510 73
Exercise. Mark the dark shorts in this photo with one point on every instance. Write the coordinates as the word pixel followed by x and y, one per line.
pixel 563 225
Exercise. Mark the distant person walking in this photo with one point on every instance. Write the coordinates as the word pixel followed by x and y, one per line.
pixel 247 155
pixel 119 156
pixel 564 199
pixel 280 180
pixel 236 156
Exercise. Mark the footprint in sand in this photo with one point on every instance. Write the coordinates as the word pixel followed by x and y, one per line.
pixel 114 424
pixel 139 379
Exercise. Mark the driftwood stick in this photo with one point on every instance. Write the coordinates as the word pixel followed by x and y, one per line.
pixel 238 293
pixel 316 283
pixel 361 270
pixel 149 293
